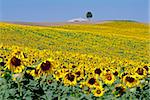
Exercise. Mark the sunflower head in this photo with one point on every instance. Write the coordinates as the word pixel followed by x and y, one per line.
pixel 130 81
pixel 116 73
pixel 147 68
pixel 92 82
pixel 70 79
pixel 79 74
pixel 119 90
pixel 46 67
pixel 97 71
pixel 108 77
pixel 14 64
pixel 140 72
pixel 99 91
pixel 2 63
pixel 74 66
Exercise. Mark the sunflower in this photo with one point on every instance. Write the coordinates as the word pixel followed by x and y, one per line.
pixel 79 72
pixel 15 64
pixel 130 80
pixel 2 63
pixel 140 72
pixel 116 73
pixel 70 79
pixel 147 68
pixel 99 91
pixel 97 71
pixel 46 67
pixel 108 77
pixel 92 82
pixel 119 90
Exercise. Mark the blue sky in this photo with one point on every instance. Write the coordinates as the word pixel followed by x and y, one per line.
pixel 63 10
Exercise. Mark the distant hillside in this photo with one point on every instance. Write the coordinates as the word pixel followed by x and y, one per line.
pixel 114 38
pixel 70 22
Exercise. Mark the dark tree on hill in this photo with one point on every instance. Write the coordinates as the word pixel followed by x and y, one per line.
pixel 89 15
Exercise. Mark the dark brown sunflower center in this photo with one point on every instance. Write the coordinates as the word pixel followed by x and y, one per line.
pixel 98 91
pixel 78 74
pixel 130 79
pixel 109 77
pixel 73 66
pixel 140 71
pixel 70 77
pixel 115 73
pixel 2 63
pixel 15 61
pixel 45 66
pixel 98 71
pixel 64 67
pixel 92 81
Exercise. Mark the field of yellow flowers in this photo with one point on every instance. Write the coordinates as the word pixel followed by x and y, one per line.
pixel 78 61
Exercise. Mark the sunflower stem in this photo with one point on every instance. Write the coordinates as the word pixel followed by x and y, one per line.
pixel 19 89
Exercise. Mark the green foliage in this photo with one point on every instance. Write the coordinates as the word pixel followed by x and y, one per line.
pixel 47 88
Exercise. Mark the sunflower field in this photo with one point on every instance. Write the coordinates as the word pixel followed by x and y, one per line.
pixel 105 61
